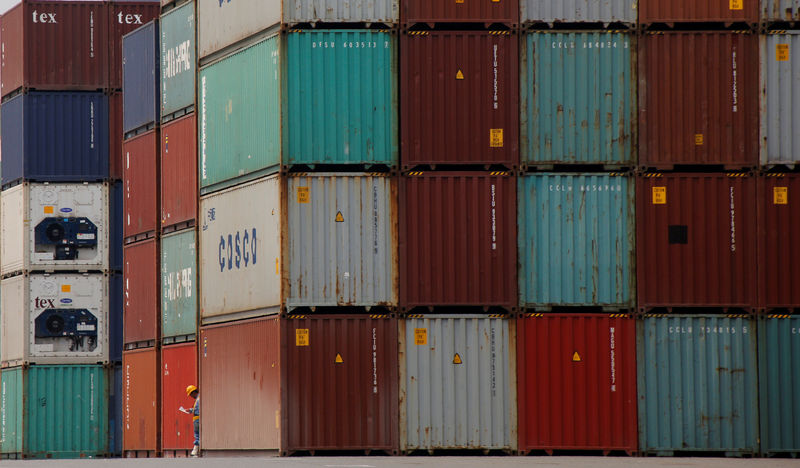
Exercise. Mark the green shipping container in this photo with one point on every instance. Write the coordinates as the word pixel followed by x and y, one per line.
pixel 179 286
pixel 239 125
pixel 54 412
pixel 178 61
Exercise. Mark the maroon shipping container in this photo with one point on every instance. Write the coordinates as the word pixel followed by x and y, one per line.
pixel 140 402
pixel 178 370
pixel 240 385
pixel 124 17
pixel 458 240
pixel 576 377
pixel 459 98
pixel 142 294
pixel 678 11
pixel 140 179
pixel 55 45
pixel 115 136
pixel 460 11
pixel 696 244
pixel 339 383
pixel 179 172
pixel 779 240
pixel 699 99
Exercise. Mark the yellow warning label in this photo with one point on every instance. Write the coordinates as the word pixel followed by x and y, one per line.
pixel 339 217
pixel 277 419
pixel 659 195
pixel 782 52
pixel 338 359
pixel 66 288
pixel 48 210
pixel 459 1
pixel 420 336
pixel 737 5
pixel 699 140
pixel 495 1
pixel 301 337
pixel 780 195
pixel 496 137
pixel 303 195
pixel 457 359
pixel 277 266
pixel 576 357
pixel 459 75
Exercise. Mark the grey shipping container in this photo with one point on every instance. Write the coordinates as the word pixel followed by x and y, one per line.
pixel 224 23
pixel 140 75
pixel 579 11
pixel 341 11
pixel 178 61
pixel 780 10
pixel 780 108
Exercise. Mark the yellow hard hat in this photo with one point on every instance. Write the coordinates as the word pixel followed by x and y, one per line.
pixel 190 389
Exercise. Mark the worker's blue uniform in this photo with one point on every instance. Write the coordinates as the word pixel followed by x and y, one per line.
pixel 196 421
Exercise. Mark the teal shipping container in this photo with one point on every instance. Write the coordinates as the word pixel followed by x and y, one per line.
pixel 578 98
pixel 179 286
pixel 54 412
pixel 576 240
pixel 240 127
pixel 698 388
pixel 779 381
pixel 178 61
pixel 341 95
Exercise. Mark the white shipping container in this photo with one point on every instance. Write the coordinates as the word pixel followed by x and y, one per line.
pixel 49 227
pixel 341 11
pixel 54 319
pixel 240 249
pixel 222 24
pixel 579 11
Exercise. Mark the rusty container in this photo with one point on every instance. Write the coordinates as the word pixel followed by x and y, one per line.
pixel 178 370
pixel 778 249
pixel 688 11
pixel 699 100
pixel 140 179
pixel 115 136
pixel 142 295
pixel 140 402
pixel 124 17
pixel 460 11
pixel 179 173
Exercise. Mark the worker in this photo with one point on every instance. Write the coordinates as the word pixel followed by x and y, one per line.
pixel 192 391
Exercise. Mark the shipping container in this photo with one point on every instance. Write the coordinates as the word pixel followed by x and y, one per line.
pixel 353 360
pixel 238 97
pixel 562 119
pixel 695 240
pixel 140 177
pixel 579 11
pixel 576 382
pixel 54 412
pixel 459 98
pixel 780 10
pixel 778 249
pixel 55 137
pixel 779 381
pixel 222 24
pixel 698 388
pixel 241 403
pixel 240 251
pixel 576 240
pixel 780 109
pixel 140 75
pixel 480 11
pixel 55 45
pixel 685 11
pixel 48 227
pixel 179 173
pixel 457 383
pixel 341 95
pixel 178 60
pixel 126 17
pixel 141 314
pixel 342 240
pixel 141 412
pixel 115 136
pixel 116 301
pixel 116 225
pixel 179 286
pixel 115 410
pixel 458 240
pixel 178 370
pixel 698 99
pixel 341 11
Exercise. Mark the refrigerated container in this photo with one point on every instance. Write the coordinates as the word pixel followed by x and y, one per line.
pixel 141 401
pixel 778 251
pixel 178 370
pixel 179 286
pixel 780 108
pixel 223 24
pixel 140 179
pixel 579 11
pixel 179 173
pixel 140 77
pixel 123 18
pixel 178 60
pixel 142 294
pixel 341 11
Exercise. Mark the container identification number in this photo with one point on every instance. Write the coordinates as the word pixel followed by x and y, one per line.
pixel 585 188
pixel 179 284
pixel 348 45
pixel 708 330
pixel 590 45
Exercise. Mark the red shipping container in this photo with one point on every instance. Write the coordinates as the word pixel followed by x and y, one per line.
pixel 55 45
pixel 576 382
pixel 140 179
pixel 140 402
pixel 141 319
pixel 459 98
pixel 115 136
pixel 339 377
pixel 458 240
pixel 678 11
pixel 699 99
pixel 778 237
pixel 178 370
pixel 179 172
pixel 124 17
pixel 473 11
pixel 240 385
pixel 696 244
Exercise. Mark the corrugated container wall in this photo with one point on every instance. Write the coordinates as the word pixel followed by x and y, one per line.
pixel 686 120
pixel 222 24
pixel 238 97
pixel 779 381
pixel 562 119
pixel 354 358
pixel 697 384
pixel 55 136
pixel 240 251
pixel 63 46
pixel 341 11
pixel 780 111
pixel 141 312
pixel 178 370
pixel 458 240
pixel 140 178
pixel 140 403
pixel 778 232
pixel 576 240
pixel 179 172
pixel 54 412
pixel 116 200
pixel 579 11
pixel 577 382
pixel 178 60
pixel 125 17
pixel 780 10
pixel 140 75
pixel 696 240
pixel 675 11
pixel 341 98
pixel 115 409
pixel 457 383
pixel 342 241
pixel 179 285
pixel 478 11
pixel 115 116
pixel 116 304
pixel 459 97
pixel 241 403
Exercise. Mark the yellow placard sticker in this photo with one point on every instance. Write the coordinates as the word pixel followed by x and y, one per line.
pixel 457 359
pixel 277 266
pixel 459 1
pixel 782 52
pixel 277 419
pixel 699 140
pixel 339 217
pixel 66 288
pixel 338 359
pixel 496 137
pixel 576 357
pixel 48 210
pixel 737 4
pixel 780 195
pixel 301 337
pixel 495 1
pixel 303 195
pixel 420 336
pixel 659 195
pixel 459 75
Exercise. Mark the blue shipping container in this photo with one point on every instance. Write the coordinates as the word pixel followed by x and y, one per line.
pixel 115 321
pixel 116 229
pixel 140 75
pixel 115 411
pixel 55 137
